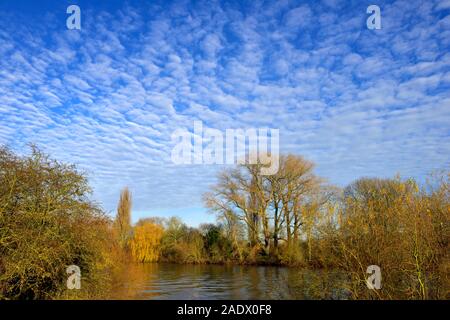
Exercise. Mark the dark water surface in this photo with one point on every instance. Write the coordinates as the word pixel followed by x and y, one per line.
pixel 182 281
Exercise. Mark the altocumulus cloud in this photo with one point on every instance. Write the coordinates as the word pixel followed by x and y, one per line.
pixel 108 96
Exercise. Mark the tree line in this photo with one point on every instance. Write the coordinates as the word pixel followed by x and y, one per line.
pixel 296 218
pixel 293 218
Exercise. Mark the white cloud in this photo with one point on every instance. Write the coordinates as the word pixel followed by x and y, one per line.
pixel 109 97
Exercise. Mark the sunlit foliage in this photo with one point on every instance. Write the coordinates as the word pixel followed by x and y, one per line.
pixel 395 225
pixel 146 242
pixel 122 223
pixel 182 244
pixel 272 208
pixel 47 222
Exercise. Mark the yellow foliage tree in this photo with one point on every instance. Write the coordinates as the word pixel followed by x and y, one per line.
pixel 146 242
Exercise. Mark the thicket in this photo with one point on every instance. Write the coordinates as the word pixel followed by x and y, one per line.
pixel 48 223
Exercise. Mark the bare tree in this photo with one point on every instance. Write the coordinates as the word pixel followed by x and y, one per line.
pixel 267 203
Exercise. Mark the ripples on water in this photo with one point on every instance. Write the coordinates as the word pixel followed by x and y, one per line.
pixel 174 281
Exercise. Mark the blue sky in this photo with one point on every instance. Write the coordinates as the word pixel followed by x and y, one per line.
pixel 107 97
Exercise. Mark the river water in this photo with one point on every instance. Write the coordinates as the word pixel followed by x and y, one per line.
pixel 185 281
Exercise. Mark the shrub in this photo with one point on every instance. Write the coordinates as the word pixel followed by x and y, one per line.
pixel 47 222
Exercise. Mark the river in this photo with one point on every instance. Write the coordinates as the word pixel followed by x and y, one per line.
pixel 186 281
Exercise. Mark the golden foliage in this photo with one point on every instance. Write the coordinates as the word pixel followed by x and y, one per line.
pixel 47 222
pixel 122 224
pixel 146 242
pixel 392 224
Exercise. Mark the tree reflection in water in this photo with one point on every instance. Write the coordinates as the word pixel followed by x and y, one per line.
pixel 186 281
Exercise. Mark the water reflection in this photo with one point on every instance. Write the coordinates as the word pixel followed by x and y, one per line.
pixel 174 281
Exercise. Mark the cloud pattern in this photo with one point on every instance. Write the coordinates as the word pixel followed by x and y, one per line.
pixel 107 97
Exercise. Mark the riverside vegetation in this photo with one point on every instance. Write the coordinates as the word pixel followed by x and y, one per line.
pixel 292 218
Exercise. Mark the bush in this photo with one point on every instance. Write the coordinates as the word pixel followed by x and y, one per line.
pixel 47 223
pixel 403 230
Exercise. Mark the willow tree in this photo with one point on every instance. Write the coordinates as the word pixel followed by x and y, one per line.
pixel 146 242
pixel 122 224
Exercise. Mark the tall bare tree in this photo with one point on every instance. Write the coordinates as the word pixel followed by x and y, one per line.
pixel 292 188
pixel 267 203
pixel 122 223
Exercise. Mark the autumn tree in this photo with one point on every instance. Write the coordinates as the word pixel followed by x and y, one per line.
pixel 238 193
pixel 270 206
pixel 145 245
pixel 181 243
pixel 122 223
pixel 47 222
pixel 395 225
pixel 234 231
pixel 294 189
